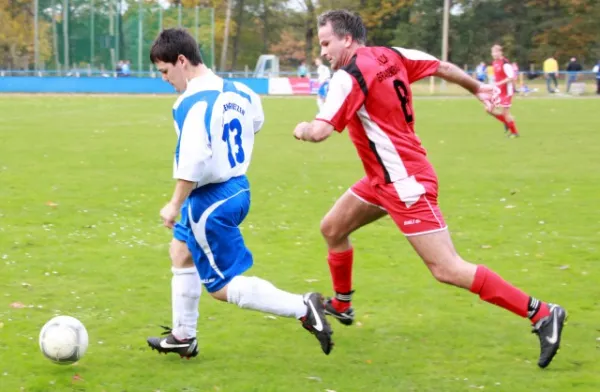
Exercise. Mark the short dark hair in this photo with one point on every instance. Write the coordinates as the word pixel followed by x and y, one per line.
pixel 345 23
pixel 171 43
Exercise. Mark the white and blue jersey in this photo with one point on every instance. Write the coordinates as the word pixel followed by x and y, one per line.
pixel 215 122
pixel 324 74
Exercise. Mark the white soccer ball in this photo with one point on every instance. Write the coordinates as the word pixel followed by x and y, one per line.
pixel 63 340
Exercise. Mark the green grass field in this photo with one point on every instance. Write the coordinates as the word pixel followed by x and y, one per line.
pixel 82 180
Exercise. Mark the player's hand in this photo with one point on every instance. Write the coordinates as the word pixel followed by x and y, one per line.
pixel 169 214
pixel 300 130
pixel 489 95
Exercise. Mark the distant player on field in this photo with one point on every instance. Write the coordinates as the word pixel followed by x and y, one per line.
pixel 370 94
pixel 324 74
pixel 504 76
pixel 215 121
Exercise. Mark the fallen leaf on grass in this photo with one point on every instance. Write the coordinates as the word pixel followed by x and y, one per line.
pixel 51 204
pixel 17 305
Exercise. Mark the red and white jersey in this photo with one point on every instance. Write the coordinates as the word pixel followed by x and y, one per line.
pixel 372 97
pixel 503 70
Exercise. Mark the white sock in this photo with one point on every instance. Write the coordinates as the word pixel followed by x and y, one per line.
pixel 185 297
pixel 258 294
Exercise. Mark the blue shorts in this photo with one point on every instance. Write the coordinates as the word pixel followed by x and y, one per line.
pixel 323 88
pixel 209 226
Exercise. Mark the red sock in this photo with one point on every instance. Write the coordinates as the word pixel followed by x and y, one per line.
pixel 500 117
pixel 495 290
pixel 513 128
pixel 340 266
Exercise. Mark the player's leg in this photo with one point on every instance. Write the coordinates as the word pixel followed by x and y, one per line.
pixel 499 115
pixel 446 265
pixel 185 297
pixel 510 121
pixel 320 102
pixel 254 293
pixel 357 207
pixel 321 94
pixel 431 240
pixel 185 291
pixel 222 259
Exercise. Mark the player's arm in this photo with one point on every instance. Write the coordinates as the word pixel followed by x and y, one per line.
pixel 183 188
pixel 315 131
pixel 454 74
pixel 486 93
pixel 344 98
pixel 193 149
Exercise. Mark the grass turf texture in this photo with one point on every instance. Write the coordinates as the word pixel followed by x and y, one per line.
pixel 82 180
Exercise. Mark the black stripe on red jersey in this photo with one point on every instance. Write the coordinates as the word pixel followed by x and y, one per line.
pixel 386 174
pixel 395 50
pixel 353 70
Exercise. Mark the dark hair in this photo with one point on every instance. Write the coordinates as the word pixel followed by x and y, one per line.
pixel 344 23
pixel 171 43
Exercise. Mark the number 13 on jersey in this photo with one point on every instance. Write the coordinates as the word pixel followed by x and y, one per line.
pixel 232 135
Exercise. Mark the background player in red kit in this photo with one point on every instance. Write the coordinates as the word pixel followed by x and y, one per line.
pixel 370 94
pixel 504 75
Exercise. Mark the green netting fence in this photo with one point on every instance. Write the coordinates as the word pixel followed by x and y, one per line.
pixel 99 36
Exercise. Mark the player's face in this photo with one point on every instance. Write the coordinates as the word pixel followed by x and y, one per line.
pixel 496 53
pixel 174 74
pixel 334 49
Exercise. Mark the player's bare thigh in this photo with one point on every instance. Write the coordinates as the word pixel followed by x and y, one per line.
pixel 349 213
pixel 180 254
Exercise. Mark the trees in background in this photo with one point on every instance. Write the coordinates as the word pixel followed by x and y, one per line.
pixel 530 30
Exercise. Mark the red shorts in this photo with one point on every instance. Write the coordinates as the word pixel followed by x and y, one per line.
pixel 411 202
pixel 505 101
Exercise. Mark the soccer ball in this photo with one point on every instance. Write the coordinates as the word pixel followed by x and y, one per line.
pixel 63 340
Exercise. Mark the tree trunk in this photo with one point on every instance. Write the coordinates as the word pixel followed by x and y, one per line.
pixel 309 32
pixel 226 36
pixel 54 37
pixel 66 33
pixel 239 20
pixel 265 23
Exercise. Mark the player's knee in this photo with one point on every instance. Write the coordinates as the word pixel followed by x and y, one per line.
pixel 445 270
pixel 242 290
pixel 332 231
pixel 180 255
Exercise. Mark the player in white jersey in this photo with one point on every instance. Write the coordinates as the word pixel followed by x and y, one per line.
pixel 215 122
pixel 323 76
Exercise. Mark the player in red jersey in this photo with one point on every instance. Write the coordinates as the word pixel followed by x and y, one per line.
pixel 504 75
pixel 370 94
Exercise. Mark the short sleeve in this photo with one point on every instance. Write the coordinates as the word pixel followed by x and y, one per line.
pixel 509 71
pixel 418 64
pixel 344 99
pixel 193 145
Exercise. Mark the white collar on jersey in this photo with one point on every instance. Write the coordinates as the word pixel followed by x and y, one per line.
pixel 199 80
